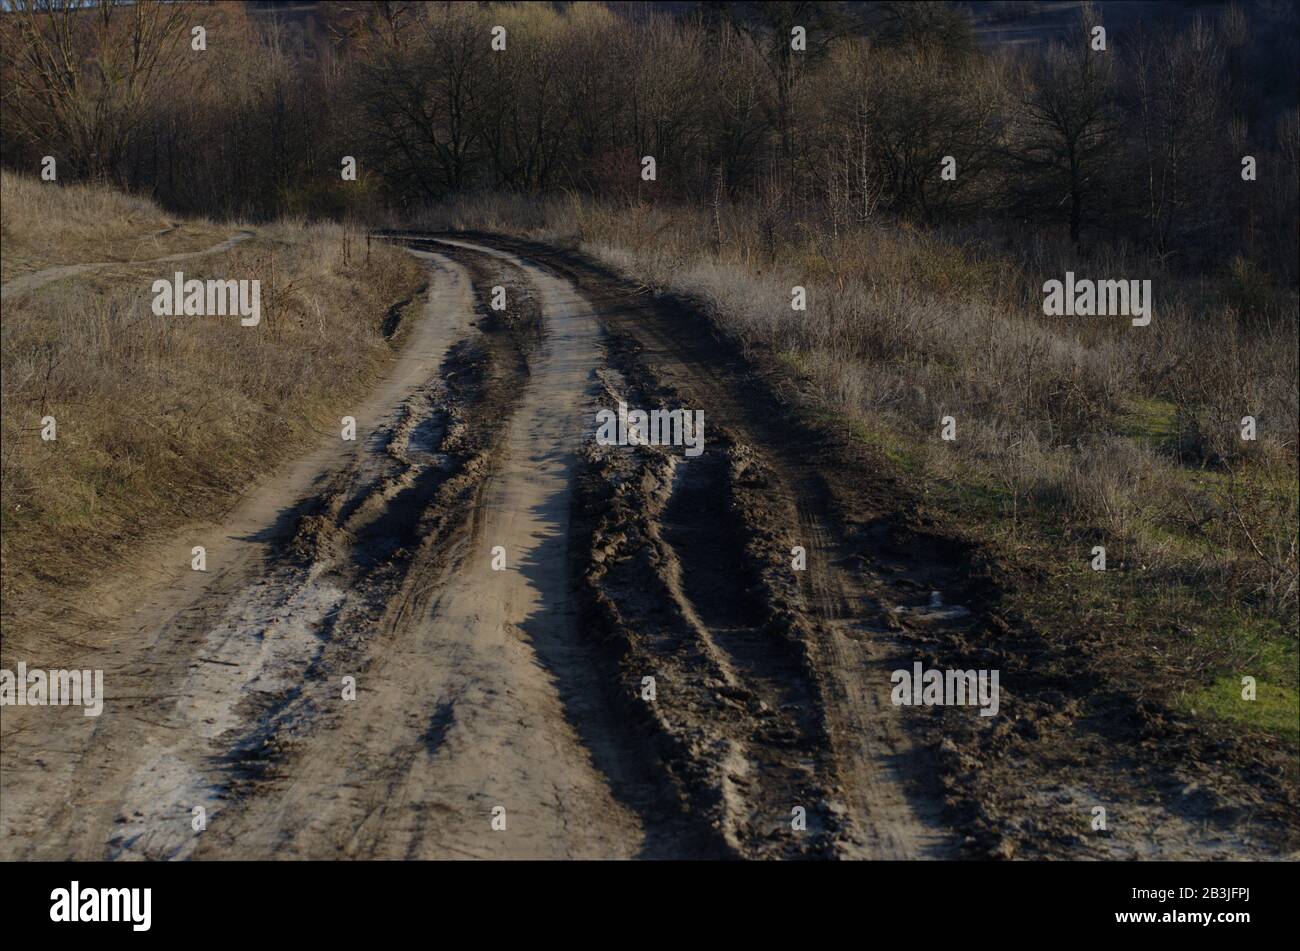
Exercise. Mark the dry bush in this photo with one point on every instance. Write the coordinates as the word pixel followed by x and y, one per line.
pixel 1113 483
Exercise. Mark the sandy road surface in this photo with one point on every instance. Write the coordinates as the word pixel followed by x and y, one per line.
pixel 502 713
pixel 462 714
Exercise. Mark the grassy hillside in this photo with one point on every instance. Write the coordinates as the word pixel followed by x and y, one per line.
pixel 162 420
pixel 45 225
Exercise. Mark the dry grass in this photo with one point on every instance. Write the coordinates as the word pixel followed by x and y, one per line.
pixel 45 224
pixel 162 420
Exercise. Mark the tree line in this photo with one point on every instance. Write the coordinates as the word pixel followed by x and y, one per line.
pixel 877 109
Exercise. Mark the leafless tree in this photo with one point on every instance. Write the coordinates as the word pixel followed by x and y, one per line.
pixel 80 78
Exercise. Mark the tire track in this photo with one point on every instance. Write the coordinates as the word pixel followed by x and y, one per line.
pixel 497 713
pixel 209 667
pixel 873 789
pixel 488 660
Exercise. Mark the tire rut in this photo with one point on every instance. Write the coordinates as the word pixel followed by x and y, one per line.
pixel 868 786
pixel 1067 737
pixel 226 674
pixel 482 699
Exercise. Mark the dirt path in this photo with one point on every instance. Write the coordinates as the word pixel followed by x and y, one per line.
pixel 26 283
pixel 813 727
pixel 480 693
pixel 476 729
pixel 646 675
pixel 463 715
pixel 185 648
pixel 879 593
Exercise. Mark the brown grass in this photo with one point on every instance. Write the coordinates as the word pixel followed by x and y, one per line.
pixel 166 419
pixel 45 225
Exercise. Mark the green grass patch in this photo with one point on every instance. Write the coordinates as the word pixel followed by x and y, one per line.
pixel 1275 709
pixel 1151 422
pixel 888 443
pixel 1223 641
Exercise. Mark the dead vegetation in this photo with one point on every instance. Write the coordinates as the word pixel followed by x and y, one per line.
pixel 162 420
pixel 45 225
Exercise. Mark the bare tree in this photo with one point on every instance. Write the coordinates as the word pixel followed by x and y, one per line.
pixel 1180 128
pixel 1063 131
pixel 80 78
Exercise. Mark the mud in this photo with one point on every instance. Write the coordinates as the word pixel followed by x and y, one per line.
pixel 562 649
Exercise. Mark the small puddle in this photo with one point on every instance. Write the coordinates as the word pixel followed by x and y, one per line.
pixel 425 439
pixel 935 610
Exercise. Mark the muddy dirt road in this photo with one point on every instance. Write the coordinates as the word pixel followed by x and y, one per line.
pixel 475 631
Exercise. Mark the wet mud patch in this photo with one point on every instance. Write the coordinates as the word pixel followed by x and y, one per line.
pixel 380 530
pixel 677 584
